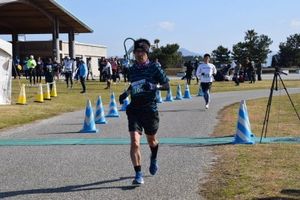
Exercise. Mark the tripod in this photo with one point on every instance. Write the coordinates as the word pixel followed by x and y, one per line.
pixel 274 86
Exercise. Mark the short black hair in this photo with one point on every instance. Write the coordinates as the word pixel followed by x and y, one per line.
pixel 206 55
pixel 142 44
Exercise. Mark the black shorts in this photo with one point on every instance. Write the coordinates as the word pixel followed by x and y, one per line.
pixel 206 86
pixel 139 120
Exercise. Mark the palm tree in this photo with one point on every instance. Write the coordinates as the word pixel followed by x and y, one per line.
pixel 156 41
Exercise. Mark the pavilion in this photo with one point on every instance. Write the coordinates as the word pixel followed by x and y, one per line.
pixel 39 17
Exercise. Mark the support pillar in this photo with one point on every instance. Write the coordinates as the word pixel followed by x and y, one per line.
pixel 72 44
pixel 55 39
pixel 15 46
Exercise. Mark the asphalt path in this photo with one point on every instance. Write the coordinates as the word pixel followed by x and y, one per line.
pixel 105 171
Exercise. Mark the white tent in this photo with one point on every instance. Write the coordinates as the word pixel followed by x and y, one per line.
pixel 5 72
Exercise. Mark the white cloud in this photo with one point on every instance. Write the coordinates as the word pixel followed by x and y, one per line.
pixel 166 25
pixel 295 23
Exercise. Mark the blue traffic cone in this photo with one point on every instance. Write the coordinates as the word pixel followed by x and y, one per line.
pixel 113 111
pixel 243 134
pixel 99 117
pixel 169 96
pixel 187 94
pixel 125 104
pixel 178 94
pixel 89 125
pixel 200 92
pixel 158 97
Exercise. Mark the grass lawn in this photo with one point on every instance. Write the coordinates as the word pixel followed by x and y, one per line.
pixel 261 171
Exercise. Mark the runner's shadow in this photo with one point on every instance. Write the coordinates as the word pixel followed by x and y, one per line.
pixel 274 198
pixel 71 188
pixel 182 110
pixel 291 192
pixel 288 192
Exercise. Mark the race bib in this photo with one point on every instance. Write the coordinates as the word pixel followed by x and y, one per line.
pixel 205 76
pixel 137 87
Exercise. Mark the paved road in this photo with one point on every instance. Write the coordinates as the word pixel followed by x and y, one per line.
pixel 104 171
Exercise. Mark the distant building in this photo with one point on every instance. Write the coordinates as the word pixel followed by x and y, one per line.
pixel 43 49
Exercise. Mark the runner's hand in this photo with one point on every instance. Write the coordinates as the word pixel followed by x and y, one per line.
pixel 149 86
pixel 122 97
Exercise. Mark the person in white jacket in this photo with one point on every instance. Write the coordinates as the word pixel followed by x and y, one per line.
pixel 205 72
pixel 108 71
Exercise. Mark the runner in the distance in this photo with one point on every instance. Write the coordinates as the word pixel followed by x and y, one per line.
pixel 205 73
pixel 146 78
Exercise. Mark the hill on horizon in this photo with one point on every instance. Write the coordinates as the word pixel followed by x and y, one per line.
pixel 186 52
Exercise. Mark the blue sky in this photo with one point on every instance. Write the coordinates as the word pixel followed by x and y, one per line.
pixel 197 25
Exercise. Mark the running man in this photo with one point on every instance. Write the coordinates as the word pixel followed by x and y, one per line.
pixel 146 78
pixel 205 73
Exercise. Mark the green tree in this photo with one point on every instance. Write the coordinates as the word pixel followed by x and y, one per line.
pixel 221 55
pixel 239 52
pixel 167 55
pixel 289 51
pixel 254 46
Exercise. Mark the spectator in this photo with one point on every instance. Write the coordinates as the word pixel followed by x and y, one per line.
pixel 107 70
pixel 56 68
pixel 189 72
pixel 48 71
pixel 236 75
pixel 68 70
pixel 250 71
pixel 39 70
pixel 196 64
pixel 259 71
pixel 16 68
pixel 31 64
pixel 114 67
pixel 25 68
pixel 102 64
pixel 89 67
pixel 83 71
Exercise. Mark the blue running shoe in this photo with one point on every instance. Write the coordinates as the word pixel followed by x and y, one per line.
pixel 138 179
pixel 153 166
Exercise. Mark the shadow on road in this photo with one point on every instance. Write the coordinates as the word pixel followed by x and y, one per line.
pixel 182 110
pixel 71 188
pixel 274 198
pixel 292 193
